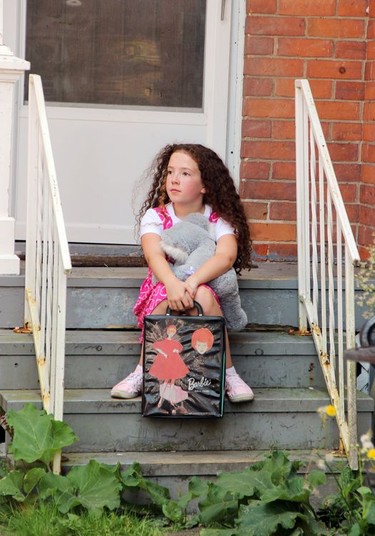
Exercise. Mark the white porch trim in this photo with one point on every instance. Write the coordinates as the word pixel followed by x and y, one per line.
pixel 11 69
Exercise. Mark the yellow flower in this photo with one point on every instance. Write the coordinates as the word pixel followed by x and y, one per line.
pixel 371 454
pixel 331 410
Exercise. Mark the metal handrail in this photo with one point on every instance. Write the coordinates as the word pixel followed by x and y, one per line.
pixel 325 245
pixel 47 259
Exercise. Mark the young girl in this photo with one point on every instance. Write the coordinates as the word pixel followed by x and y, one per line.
pixel 190 178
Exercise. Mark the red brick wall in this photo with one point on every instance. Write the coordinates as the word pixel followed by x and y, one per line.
pixel 330 43
pixel 367 188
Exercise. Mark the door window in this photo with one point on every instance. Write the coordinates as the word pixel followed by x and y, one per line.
pixel 118 52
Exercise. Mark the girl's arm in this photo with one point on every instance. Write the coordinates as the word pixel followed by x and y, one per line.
pixel 223 259
pixel 179 293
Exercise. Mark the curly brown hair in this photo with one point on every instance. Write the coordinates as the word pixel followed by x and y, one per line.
pixel 220 193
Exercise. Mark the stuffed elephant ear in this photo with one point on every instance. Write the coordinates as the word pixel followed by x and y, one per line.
pixel 175 253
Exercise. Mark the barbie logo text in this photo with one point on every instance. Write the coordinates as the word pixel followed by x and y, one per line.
pixel 194 385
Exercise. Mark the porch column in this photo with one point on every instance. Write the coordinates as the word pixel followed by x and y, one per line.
pixel 11 69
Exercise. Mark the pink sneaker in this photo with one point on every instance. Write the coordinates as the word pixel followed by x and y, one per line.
pixel 129 387
pixel 236 389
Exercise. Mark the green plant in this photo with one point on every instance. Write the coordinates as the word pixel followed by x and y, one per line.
pixel 352 509
pixel 268 498
pixel 92 487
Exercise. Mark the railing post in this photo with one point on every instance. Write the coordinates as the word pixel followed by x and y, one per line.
pixel 302 196
pixel 32 187
pixel 351 365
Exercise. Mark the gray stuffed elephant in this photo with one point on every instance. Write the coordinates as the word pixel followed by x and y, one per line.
pixel 189 245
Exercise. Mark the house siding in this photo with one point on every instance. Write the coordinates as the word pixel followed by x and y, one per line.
pixel 330 43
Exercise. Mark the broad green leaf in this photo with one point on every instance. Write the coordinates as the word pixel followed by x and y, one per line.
pixel 184 500
pixel 355 530
pixel 217 506
pixel 259 519
pixel 279 466
pixel 249 483
pixel 132 476
pixel 11 485
pixel 37 436
pixel 291 490
pixel 259 478
pixel 312 527
pixel 159 494
pixel 316 478
pixel 370 517
pixel 198 487
pixel 96 485
pixel 218 512
pixel 32 478
pixel 364 491
pixel 61 489
pixel 173 511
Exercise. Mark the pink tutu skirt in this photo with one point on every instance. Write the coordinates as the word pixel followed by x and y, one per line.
pixel 150 295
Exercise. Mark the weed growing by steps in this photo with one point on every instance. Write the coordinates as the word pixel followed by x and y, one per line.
pixel 267 498
pixel 365 277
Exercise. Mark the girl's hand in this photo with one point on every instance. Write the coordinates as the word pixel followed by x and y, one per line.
pixel 192 284
pixel 179 294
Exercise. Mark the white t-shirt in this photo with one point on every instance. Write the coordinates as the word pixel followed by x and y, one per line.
pixel 151 222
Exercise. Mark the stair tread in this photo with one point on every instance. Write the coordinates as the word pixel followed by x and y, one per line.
pixel 257 342
pixel 262 272
pixel 275 400
pixel 186 463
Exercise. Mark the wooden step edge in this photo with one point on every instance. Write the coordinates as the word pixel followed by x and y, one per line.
pixel 270 400
pixel 201 463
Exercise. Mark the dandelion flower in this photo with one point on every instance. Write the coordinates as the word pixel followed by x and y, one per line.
pixel 327 410
pixel 371 454
pixel 331 410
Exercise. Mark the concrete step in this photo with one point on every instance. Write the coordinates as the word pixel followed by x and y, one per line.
pixel 100 298
pixel 277 418
pixel 99 359
pixel 103 297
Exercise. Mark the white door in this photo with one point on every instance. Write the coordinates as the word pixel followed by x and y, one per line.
pixel 128 77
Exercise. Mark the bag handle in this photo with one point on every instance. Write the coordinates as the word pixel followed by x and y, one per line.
pixel 197 306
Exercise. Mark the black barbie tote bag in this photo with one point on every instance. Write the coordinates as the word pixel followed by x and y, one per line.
pixel 184 365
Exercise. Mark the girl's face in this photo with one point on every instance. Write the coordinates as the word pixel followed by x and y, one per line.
pixel 184 183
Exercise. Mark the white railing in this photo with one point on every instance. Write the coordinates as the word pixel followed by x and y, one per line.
pixel 326 251
pixel 47 259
